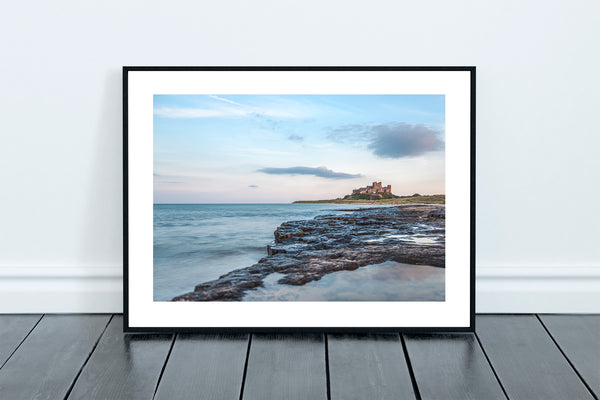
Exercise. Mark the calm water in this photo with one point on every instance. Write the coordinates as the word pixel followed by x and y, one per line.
pixel 195 243
pixel 388 281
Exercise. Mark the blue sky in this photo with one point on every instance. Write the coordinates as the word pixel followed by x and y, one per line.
pixel 281 148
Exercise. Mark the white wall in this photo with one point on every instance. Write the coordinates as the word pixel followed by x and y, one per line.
pixel 538 99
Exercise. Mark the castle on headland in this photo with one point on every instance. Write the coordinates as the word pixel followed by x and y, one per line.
pixel 376 187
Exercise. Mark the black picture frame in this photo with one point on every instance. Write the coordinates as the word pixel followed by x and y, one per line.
pixel 127 146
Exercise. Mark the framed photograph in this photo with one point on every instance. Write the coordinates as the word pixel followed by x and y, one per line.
pixel 262 199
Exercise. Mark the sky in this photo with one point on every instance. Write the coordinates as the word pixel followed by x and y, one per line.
pixel 282 148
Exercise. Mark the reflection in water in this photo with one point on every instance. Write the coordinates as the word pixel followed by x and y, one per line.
pixel 388 281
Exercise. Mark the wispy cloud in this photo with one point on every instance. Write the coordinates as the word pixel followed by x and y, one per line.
pixel 296 138
pixel 223 99
pixel 229 109
pixel 322 172
pixel 169 112
pixel 350 133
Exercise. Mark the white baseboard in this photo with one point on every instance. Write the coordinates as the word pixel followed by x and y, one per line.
pixel 49 289
pixel 518 290
pixel 99 289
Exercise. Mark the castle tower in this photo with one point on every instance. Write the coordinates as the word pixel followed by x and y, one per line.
pixel 376 187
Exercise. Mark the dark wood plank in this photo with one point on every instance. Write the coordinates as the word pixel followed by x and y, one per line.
pixel 205 367
pixel 286 367
pixel 368 366
pixel 13 329
pixel 123 366
pixel 46 364
pixel 579 338
pixel 526 360
pixel 451 366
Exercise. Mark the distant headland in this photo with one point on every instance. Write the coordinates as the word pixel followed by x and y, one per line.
pixel 376 193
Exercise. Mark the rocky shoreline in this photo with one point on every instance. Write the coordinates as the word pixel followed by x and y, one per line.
pixel 306 250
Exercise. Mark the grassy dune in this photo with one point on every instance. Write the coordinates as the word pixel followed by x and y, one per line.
pixel 428 199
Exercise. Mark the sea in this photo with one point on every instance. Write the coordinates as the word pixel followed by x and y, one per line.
pixel 196 243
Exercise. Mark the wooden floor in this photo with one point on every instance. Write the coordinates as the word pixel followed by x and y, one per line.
pixel 510 356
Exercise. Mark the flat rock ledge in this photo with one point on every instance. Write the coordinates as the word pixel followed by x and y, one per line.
pixel 305 251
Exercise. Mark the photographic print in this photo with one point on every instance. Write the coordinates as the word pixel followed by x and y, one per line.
pixel 271 198
pixel 299 198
